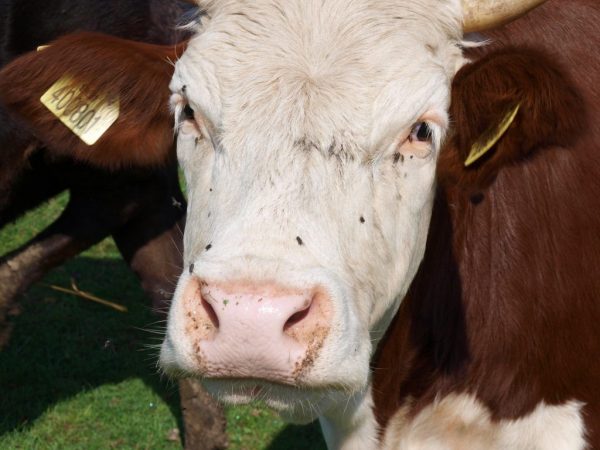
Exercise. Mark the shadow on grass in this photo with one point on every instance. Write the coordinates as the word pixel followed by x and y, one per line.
pixel 63 345
pixel 299 438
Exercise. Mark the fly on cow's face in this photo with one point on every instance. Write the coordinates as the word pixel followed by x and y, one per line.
pixel 398 157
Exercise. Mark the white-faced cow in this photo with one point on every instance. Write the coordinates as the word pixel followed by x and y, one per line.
pixel 309 133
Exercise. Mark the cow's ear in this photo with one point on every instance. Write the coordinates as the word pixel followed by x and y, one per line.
pixel 95 98
pixel 504 107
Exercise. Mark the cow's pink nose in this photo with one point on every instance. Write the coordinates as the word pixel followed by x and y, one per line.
pixel 261 331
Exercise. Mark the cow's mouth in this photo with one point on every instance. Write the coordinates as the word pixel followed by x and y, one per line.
pixel 293 403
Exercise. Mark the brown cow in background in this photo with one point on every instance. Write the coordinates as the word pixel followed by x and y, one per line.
pixel 141 204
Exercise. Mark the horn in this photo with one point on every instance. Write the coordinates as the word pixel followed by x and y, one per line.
pixel 480 15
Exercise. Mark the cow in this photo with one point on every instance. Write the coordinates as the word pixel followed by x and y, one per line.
pixel 309 135
pixel 326 271
pixel 138 202
pixel 142 208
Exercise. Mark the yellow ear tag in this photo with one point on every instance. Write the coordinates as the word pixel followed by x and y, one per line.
pixel 488 139
pixel 88 118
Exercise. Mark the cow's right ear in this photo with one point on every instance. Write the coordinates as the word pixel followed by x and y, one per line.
pixel 95 98
pixel 505 106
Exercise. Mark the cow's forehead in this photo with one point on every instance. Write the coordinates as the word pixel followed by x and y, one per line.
pixel 320 71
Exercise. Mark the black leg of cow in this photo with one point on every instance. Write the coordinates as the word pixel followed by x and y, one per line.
pixel 152 244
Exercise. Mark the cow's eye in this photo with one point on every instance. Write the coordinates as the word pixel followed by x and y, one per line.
pixel 189 122
pixel 188 112
pixel 421 132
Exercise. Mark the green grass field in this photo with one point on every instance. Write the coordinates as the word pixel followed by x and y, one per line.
pixel 78 375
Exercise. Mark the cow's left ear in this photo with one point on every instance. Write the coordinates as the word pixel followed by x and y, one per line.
pixel 95 98
pixel 504 107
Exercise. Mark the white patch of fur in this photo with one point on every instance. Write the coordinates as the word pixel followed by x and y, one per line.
pixel 353 426
pixel 460 422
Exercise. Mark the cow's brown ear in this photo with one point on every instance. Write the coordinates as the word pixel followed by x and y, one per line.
pixel 95 98
pixel 516 99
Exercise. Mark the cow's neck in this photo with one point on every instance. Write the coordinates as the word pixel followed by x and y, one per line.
pixel 352 424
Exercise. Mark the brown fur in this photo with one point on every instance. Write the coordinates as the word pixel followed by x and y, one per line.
pixel 136 72
pixel 506 303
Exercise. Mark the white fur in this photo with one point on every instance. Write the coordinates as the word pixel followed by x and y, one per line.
pixel 301 107
pixel 460 422
pixel 351 425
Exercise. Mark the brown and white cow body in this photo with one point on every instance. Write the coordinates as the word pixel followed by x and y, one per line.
pixel 309 134
pixel 494 347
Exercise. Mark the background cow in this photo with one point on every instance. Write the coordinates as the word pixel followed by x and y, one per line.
pixel 143 208
pixel 138 202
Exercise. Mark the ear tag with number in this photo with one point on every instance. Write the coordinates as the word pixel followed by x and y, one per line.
pixel 488 139
pixel 87 117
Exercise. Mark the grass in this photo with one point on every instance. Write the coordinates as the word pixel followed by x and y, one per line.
pixel 78 375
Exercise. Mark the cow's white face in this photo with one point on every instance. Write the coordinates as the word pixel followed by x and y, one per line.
pixel 310 162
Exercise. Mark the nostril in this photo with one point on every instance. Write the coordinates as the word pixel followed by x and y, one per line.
pixel 212 315
pixel 296 318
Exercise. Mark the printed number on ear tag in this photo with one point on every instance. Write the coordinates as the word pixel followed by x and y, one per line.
pixel 488 139
pixel 88 118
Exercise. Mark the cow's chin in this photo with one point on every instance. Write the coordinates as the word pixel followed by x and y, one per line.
pixel 294 404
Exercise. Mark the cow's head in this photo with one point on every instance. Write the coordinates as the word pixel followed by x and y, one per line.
pixel 309 134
